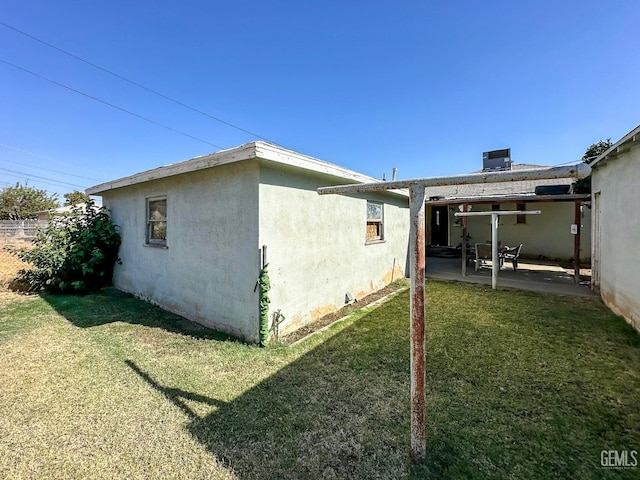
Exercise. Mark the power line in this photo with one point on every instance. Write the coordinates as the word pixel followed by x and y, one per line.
pixel 162 95
pixel 48 170
pixel 29 175
pixel 13 185
pixel 109 104
pixel 44 157
pixel 26 182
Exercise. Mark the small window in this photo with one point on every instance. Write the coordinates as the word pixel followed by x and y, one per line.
pixel 495 207
pixel 157 221
pixel 375 214
pixel 521 218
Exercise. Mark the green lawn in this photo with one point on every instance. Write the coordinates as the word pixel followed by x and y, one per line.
pixel 520 385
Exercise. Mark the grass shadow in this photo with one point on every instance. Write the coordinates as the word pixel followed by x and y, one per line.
pixel 339 411
pixel 110 305
pixel 176 396
pixel 509 396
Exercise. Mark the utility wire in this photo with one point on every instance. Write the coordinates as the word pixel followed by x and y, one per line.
pixel 42 178
pixel 26 182
pixel 162 95
pixel 108 104
pixel 13 185
pixel 48 170
pixel 50 159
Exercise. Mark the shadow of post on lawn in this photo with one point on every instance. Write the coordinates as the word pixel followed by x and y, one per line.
pixel 110 305
pixel 175 395
pixel 339 411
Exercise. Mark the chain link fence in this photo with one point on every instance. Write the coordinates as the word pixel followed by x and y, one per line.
pixel 15 234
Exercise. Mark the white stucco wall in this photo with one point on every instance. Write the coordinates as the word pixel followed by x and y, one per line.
pixel 617 259
pixel 316 244
pixel 208 271
pixel 547 234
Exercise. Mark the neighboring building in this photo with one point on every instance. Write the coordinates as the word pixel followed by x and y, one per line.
pixel 44 215
pixel 193 233
pixel 547 235
pixel 615 254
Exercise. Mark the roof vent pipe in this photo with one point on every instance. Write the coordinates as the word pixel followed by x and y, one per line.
pixel 394 170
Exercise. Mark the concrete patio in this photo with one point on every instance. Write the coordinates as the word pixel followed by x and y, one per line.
pixel 532 275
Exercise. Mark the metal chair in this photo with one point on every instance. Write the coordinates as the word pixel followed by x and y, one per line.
pixel 483 254
pixel 510 254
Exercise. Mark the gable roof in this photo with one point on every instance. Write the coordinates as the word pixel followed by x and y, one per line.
pixel 253 150
pixel 621 146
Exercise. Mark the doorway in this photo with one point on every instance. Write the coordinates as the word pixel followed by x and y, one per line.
pixel 595 241
pixel 440 225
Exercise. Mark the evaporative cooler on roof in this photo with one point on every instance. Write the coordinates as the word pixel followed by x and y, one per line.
pixel 496 160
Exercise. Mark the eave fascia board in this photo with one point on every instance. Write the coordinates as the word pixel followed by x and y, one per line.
pixel 223 157
pixel 248 151
pixel 630 137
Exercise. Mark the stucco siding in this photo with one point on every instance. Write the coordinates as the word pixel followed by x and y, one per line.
pixel 547 234
pixel 615 182
pixel 316 244
pixel 208 271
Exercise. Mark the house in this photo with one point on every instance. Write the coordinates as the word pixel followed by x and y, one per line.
pixel 195 233
pixel 546 236
pixel 616 226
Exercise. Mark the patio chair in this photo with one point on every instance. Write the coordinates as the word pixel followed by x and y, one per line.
pixel 510 254
pixel 483 254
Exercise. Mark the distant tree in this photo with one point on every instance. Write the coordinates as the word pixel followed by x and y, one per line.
pixel 22 202
pixel 75 197
pixel 584 184
pixel 596 149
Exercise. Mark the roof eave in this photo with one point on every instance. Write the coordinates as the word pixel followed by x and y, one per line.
pixel 618 147
pixel 243 152
pixel 248 151
pixel 523 198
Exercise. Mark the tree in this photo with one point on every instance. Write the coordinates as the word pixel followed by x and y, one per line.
pixel 75 197
pixel 74 253
pixel 584 184
pixel 22 202
pixel 596 149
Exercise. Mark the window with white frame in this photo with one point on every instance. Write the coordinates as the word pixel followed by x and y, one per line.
pixel 375 221
pixel 157 221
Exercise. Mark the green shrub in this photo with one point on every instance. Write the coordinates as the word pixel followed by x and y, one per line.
pixel 74 253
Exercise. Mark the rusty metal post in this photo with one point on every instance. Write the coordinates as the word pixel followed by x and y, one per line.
pixel 418 333
pixel 576 244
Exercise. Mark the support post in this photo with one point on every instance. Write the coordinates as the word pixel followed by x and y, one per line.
pixel 495 263
pixel 576 244
pixel 464 241
pixel 418 334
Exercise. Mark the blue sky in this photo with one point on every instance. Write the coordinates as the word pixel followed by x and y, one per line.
pixel 423 86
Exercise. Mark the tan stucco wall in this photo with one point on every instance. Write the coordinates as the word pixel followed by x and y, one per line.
pixel 547 234
pixel 316 244
pixel 618 257
pixel 209 270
